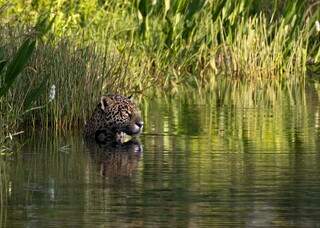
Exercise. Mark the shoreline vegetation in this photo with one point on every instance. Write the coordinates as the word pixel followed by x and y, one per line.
pixel 71 52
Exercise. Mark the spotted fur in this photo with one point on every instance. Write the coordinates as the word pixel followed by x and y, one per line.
pixel 113 116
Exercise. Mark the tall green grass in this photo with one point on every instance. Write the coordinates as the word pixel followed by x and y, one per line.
pixel 70 79
pixel 179 41
pixel 134 47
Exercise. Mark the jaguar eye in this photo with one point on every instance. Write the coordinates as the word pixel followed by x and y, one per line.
pixel 129 114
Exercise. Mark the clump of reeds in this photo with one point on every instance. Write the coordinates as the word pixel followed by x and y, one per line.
pixel 179 42
pixel 63 81
pixel 132 47
pixel 253 57
pixel 76 78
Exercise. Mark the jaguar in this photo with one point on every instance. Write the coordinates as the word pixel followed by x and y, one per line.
pixel 114 116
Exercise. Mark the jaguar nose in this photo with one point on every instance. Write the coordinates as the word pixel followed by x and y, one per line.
pixel 140 124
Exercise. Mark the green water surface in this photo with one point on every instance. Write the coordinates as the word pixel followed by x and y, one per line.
pixel 199 163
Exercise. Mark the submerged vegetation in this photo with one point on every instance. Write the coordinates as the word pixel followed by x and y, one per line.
pixel 133 47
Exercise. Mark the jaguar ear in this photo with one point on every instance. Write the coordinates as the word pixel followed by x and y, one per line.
pixel 102 102
pixel 105 101
pixel 129 97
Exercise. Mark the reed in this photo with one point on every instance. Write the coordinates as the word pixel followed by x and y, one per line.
pixel 3 190
pixel 134 47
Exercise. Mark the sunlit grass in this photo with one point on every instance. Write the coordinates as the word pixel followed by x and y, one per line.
pixel 74 78
pixel 254 58
pixel 138 47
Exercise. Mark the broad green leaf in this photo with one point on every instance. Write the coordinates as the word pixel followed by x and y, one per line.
pixel 17 64
pixel 2 65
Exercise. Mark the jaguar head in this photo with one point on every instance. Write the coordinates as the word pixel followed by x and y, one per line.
pixel 122 114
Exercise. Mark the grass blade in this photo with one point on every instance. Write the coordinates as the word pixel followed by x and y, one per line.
pixel 217 11
pixel 34 94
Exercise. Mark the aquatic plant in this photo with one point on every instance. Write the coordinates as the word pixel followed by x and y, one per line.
pixel 184 41
pixel 96 47
pixel 12 66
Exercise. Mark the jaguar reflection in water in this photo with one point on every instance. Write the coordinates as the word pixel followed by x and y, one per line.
pixel 115 159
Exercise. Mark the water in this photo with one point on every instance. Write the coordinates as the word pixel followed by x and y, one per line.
pixel 198 164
